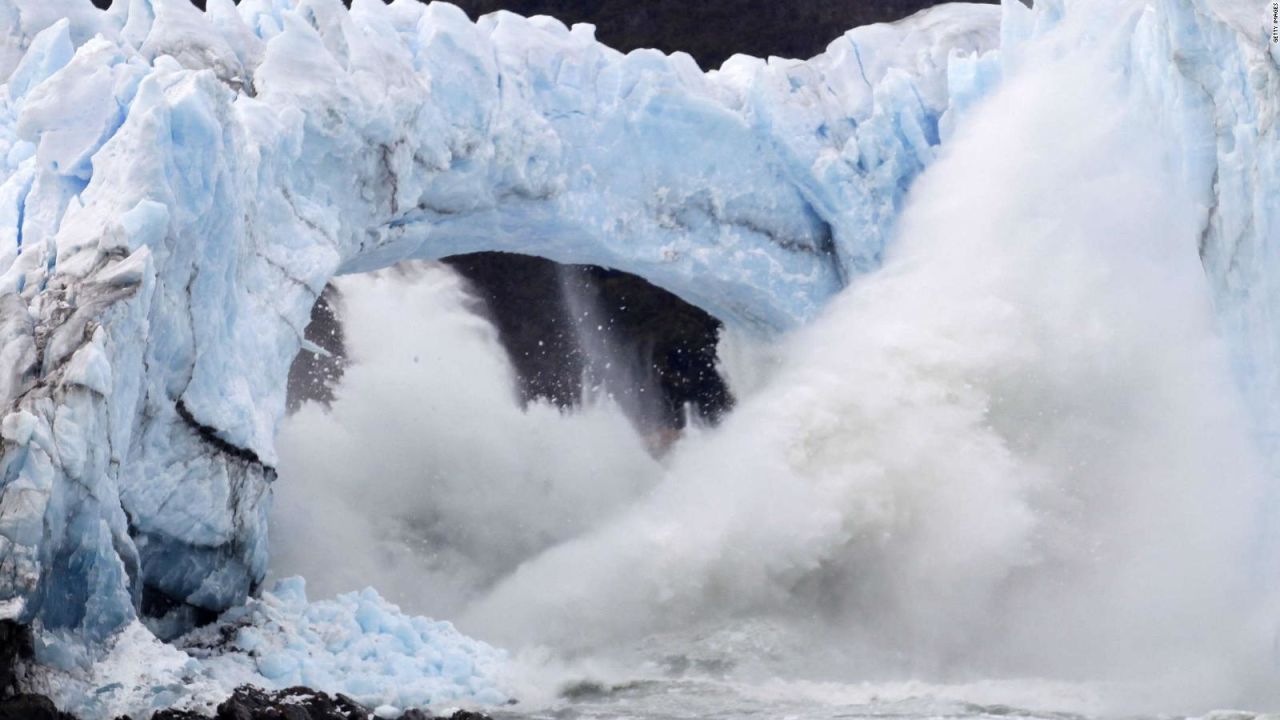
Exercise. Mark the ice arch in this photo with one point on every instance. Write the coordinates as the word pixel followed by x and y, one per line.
pixel 180 185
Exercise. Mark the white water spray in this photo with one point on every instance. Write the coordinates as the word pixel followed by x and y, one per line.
pixel 1016 449
pixel 428 479
pixel 618 376
pixel 1013 451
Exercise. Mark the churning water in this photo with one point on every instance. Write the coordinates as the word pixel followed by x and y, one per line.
pixel 1009 469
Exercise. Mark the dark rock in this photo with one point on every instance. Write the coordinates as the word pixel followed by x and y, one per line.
pixel 295 703
pixel 31 707
pixel 712 30
pixel 522 296
pixel 246 703
pixel 468 715
pixel 313 376
pixel 168 617
pixel 15 645
pixel 175 715
pixel 559 323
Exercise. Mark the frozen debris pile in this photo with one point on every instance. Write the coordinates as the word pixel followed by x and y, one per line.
pixel 357 645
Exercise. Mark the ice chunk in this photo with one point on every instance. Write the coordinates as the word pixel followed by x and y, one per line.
pixel 278 641
pixel 357 644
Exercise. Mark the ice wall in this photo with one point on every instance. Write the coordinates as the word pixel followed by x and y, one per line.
pixel 1209 71
pixel 1222 88
pixel 179 186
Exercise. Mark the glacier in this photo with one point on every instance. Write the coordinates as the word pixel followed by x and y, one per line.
pixel 178 187
pixel 181 185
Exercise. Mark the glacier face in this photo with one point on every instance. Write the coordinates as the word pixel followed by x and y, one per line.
pixel 1210 72
pixel 180 185
pixel 1228 93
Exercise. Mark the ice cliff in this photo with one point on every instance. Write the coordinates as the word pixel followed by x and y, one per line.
pixel 179 186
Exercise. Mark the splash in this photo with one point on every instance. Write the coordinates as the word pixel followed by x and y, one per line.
pixel 606 369
pixel 1013 451
pixel 428 479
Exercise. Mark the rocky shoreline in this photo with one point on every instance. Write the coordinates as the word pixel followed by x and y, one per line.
pixel 246 703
